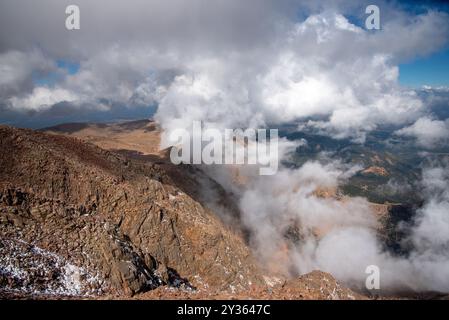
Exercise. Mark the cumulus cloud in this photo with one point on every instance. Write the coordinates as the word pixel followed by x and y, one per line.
pixel 249 63
pixel 433 220
pixel 42 98
pixel 427 131
pixel 429 236
pixel 17 69
pixel 322 67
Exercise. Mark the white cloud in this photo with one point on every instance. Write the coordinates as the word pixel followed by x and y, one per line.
pixel 340 235
pixel 430 235
pixel 42 98
pixel 17 70
pixel 427 131
pixel 324 66
pixel 261 64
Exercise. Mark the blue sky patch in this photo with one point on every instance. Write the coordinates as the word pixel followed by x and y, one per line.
pixel 69 66
pixel 432 70
pixel 49 79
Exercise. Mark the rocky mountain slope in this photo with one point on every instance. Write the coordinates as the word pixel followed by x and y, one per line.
pixel 92 221
pixel 77 220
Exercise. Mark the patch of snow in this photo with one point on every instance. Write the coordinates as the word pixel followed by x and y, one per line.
pixel 33 270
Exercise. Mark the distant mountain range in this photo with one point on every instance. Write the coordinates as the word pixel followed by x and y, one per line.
pixel 390 165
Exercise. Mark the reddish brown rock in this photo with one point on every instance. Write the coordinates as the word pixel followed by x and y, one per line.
pixel 121 220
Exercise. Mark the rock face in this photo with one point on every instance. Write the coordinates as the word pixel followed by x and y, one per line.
pixel 77 220
pixel 316 285
pixel 95 222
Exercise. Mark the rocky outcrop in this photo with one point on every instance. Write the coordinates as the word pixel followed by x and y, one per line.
pixel 122 222
pixel 316 285
pixel 78 220
pixel 41 237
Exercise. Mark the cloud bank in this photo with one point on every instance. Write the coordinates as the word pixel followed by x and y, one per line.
pixel 240 64
pixel 299 225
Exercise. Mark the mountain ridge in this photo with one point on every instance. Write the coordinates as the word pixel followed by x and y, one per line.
pixel 53 187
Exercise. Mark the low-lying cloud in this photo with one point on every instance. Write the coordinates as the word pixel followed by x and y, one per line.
pixel 299 223
pixel 427 131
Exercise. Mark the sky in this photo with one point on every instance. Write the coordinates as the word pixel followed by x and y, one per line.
pixel 432 70
pixel 428 71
